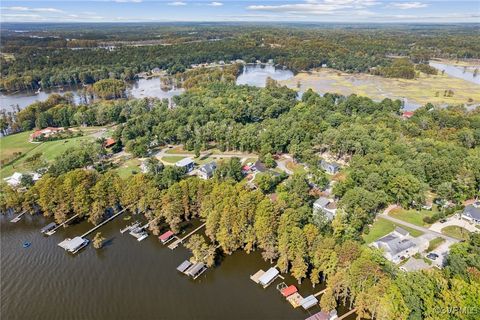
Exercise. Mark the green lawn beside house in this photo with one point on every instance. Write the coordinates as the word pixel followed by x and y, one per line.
pixel 412 216
pixel 382 227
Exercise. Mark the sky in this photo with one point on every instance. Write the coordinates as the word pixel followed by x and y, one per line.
pixel 344 11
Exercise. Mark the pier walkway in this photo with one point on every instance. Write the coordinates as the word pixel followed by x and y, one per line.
pixel 319 293
pixel 347 314
pixel 175 244
pixel 49 233
pixel 17 218
pixel 104 222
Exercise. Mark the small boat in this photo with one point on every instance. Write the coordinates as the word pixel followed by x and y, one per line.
pixel 27 244
pixel 127 218
pixel 38 91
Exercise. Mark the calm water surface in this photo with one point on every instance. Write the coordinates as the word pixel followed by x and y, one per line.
pixel 141 88
pixel 127 279
pixel 257 74
pixel 457 71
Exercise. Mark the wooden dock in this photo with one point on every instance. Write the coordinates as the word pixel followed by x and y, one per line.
pixel 104 222
pixel 347 314
pixel 319 293
pixel 49 233
pixel 17 218
pixel 175 244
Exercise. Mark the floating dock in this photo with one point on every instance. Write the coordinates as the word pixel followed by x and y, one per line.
pixel 295 299
pixel 175 244
pixel 17 218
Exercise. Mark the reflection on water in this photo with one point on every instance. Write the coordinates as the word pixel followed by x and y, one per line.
pixel 128 280
pixel 141 88
pixel 457 71
pixel 257 74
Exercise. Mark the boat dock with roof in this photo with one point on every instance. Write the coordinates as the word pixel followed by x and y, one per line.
pixel 53 230
pixel 265 278
pixel 17 218
pixel 166 237
pixel 48 227
pixel 130 227
pixel 74 245
pixel 196 270
pixel 184 266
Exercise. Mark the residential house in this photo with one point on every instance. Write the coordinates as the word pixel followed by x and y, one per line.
pixel 407 114
pixel 186 163
pixel 206 171
pixel 330 167
pixel 15 179
pixel 325 205
pixel 109 142
pixel 472 213
pixel 398 245
pixel 47 132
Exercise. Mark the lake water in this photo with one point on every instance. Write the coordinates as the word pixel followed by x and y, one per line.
pixel 141 88
pixel 128 279
pixel 257 74
pixel 457 71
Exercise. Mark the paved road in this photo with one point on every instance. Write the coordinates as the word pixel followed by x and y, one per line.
pixel 413 226
pixel 454 221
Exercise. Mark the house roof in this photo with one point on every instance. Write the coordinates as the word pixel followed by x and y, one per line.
pixel 324 164
pixel 209 167
pixel 109 142
pixel 184 162
pixel 407 114
pixel 402 231
pixel 472 212
pixel 322 202
pixel 37 133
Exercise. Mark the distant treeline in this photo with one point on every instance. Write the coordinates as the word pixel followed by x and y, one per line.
pixel 52 61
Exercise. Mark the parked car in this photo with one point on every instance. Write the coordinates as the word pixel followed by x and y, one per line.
pixel 432 256
pixel 443 220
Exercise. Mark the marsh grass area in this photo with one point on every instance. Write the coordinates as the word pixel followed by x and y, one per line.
pixel 382 227
pixel 423 89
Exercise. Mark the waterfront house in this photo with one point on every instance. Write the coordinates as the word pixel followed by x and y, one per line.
pixel 472 213
pixel 397 245
pixel 186 163
pixel 330 167
pixel 16 178
pixel 206 171
pixel 325 206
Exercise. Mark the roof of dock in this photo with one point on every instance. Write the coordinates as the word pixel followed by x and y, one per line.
pixel 268 276
pixel 184 266
pixel 196 268
pixel 309 302
pixel 49 226
pixel 72 244
pixel 166 235
pixel 289 290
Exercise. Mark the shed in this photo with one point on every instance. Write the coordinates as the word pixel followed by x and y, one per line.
pixel 308 302
pixel 166 236
pixel 289 291
pixel 268 277
pixel 184 266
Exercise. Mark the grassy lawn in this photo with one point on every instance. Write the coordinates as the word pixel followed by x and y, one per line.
pixel 128 168
pixel 434 243
pixel 456 232
pixel 15 143
pixel 296 168
pixel 172 159
pixel 382 227
pixel 49 150
pixel 413 216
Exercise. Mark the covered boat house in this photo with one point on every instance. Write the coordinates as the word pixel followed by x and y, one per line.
pixel 268 277
pixel 74 245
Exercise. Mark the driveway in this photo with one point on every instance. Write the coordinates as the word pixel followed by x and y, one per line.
pixel 454 221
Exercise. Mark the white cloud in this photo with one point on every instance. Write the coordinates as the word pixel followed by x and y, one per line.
pixel 27 9
pixel 177 3
pixel 215 4
pixel 316 7
pixel 409 5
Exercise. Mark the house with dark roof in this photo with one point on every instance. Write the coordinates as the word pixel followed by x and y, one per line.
pixel 330 167
pixel 472 213
pixel 206 171
pixel 398 245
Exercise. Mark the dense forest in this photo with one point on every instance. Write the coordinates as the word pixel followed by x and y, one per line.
pixel 67 55
pixel 391 160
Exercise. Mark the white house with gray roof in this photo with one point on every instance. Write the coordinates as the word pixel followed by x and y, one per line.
pixel 398 245
pixel 325 205
pixel 472 213
pixel 206 171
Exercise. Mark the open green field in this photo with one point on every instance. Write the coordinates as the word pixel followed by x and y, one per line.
pixel 434 243
pixel 172 159
pixel 128 168
pixel 49 150
pixel 382 227
pixel 412 216
pixel 425 88
pixel 15 143
pixel 456 232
